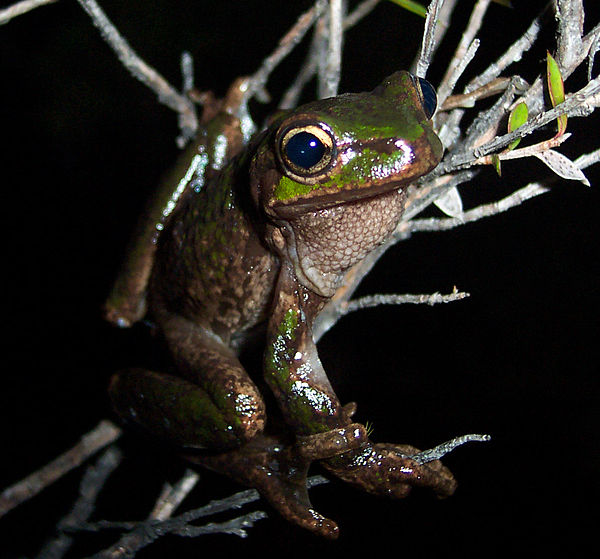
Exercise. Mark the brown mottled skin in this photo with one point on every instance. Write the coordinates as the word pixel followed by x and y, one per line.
pixel 267 241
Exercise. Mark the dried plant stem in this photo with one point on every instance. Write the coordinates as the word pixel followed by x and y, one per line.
pixel 430 41
pixel 444 448
pixel 102 435
pixel 513 54
pixel 259 79
pixel 475 214
pixel 467 39
pixel 333 66
pixel 91 484
pixel 396 299
pixel 310 66
pixel 172 497
pixel 167 94
pixel 21 8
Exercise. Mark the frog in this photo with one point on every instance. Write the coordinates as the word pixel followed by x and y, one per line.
pixel 251 244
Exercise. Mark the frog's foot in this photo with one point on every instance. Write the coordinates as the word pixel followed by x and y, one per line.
pixel 279 473
pixel 389 469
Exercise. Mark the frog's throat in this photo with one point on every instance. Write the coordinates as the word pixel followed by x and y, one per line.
pixel 323 244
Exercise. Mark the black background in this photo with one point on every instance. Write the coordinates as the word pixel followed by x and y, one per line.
pixel 84 144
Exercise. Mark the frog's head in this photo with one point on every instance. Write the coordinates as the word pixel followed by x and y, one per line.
pixel 348 147
pixel 346 150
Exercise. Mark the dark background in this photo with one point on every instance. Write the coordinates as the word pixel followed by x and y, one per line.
pixel 84 144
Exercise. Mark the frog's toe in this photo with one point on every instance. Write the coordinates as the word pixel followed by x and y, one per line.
pixel 388 469
pixel 293 504
pixel 278 472
pixel 331 443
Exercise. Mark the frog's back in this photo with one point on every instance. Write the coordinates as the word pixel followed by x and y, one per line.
pixel 211 265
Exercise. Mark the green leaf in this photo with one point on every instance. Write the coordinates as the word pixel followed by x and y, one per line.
pixel 411 6
pixel 504 3
pixel 517 118
pixel 496 164
pixel 556 89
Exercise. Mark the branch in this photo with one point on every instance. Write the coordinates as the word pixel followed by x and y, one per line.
pixel 172 497
pixel 376 300
pixel 140 70
pixel 21 8
pixel 91 484
pixel 144 533
pixel 102 435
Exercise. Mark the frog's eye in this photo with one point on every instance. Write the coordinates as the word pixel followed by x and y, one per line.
pixel 428 97
pixel 305 151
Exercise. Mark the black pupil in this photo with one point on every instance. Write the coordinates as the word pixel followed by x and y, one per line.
pixel 304 149
pixel 429 97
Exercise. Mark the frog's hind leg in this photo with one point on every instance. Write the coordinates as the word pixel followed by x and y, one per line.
pixel 218 409
pixel 214 405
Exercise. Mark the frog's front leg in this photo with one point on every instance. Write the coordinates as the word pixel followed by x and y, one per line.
pixel 309 404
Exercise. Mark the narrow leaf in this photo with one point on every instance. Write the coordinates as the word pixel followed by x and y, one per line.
pixel 517 118
pixel 450 203
pixel 411 6
pixel 562 166
pixel 556 89
pixel 496 164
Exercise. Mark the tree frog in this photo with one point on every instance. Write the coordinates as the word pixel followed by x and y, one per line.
pixel 255 241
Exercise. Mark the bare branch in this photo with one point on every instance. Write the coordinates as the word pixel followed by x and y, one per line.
pixel 448 87
pixel 330 79
pixel 582 102
pixel 21 8
pixel 429 43
pixel 569 15
pixel 172 497
pixel 441 450
pixel 102 435
pixel 167 94
pixel 363 9
pixel 467 39
pixel 259 79
pixel 310 66
pixel 513 54
pixel 395 299
pixel 91 484
pixel 485 210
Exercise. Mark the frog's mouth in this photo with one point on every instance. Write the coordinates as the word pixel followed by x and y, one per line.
pixel 330 198
pixel 323 244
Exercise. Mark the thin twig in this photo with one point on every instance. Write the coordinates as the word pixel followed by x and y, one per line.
pixel 569 15
pixel 475 214
pixel 99 437
pixel 512 54
pixel 441 450
pixel 428 44
pixel 362 10
pixel 467 39
pixel 21 8
pixel 447 87
pixel 91 484
pixel 139 69
pixel 259 79
pixel 331 73
pixel 172 497
pixel 309 68
pixel 376 300
pixel 187 71
pixel 574 105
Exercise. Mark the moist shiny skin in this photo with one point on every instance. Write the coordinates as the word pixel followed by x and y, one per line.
pixel 266 243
